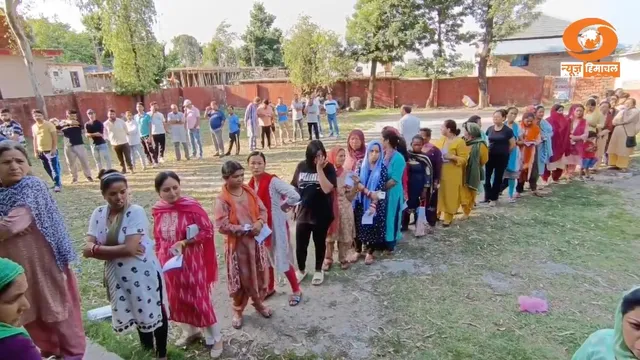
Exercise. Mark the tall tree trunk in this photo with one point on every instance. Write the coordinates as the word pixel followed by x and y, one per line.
pixel 25 48
pixel 372 84
pixel 434 85
pixel 483 99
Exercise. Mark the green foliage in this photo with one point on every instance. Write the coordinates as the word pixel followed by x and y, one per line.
pixel 138 57
pixel 187 49
pixel 262 42
pixel 53 34
pixel 93 25
pixel 385 30
pixel 314 57
pixel 220 51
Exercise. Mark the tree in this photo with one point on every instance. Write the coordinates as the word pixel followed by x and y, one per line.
pixel 446 18
pixel 188 50
pixel 220 51
pixel 262 46
pixel 46 34
pixel 138 57
pixel 383 31
pixel 498 19
pixel 17 29
pixel 314 57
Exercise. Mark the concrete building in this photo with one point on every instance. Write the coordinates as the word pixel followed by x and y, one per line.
pixel 14 77
pixel 629 71
pixel 67 77
pixel 535 51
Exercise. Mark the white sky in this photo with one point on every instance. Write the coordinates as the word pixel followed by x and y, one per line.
pixel 200 17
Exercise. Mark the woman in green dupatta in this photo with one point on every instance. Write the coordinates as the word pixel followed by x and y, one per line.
pixel 623 341
pixel 473 174
pixel 15 342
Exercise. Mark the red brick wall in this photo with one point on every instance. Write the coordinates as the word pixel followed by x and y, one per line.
pixel 101 102
pixel 586 87
pixel 509 91
pixel 451 91
pixel 240 95
pixel 201 97
pixel 165 99
pixel 539 65
pixel 57 106
pixel 412 92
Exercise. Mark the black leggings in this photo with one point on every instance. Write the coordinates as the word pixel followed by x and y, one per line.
pixel 234 138
pixel 160 334
pixel 313 126
pixel 496 166
pixel 303 235
pixel 266 131
pixel 123 152
pixel 159 140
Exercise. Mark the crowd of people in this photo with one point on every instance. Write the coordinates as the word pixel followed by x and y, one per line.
pixel 357 198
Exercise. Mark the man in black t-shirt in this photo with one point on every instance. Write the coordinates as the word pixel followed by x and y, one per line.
pixel 315 179
pixel 100 150
pixel 74 150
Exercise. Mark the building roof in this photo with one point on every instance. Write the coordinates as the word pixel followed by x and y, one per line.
pixel 544 26
pixel 68 64
pixel 529 46
pixel 94 69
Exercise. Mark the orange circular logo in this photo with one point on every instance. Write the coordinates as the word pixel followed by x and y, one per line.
pixel 590 39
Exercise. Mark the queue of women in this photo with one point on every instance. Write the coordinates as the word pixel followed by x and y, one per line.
pixel 357 199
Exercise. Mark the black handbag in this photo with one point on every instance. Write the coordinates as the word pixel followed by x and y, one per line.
pixel 631 140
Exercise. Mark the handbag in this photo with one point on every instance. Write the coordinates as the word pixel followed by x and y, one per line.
pixel 631 140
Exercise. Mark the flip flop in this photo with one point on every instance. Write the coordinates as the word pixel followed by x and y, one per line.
pixel 294 300
pixel 318 278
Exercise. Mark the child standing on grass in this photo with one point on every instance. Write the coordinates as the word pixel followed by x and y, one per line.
pixel 234 131
pixel 589 155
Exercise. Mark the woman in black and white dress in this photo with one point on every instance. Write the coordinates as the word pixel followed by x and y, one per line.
pixel 119 234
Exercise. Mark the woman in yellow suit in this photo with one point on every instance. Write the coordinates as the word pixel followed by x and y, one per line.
pixel 455 153
pixel 473 175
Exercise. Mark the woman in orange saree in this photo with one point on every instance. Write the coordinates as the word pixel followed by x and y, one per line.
pixel 531 138
pixel 239 215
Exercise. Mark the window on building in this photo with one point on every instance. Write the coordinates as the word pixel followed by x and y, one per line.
pixel 55 74
pixel 520 60
pixel 75 79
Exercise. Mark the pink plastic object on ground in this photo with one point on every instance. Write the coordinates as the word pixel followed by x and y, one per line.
pixel 532 305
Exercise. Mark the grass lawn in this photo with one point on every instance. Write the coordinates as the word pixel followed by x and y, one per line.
pixel 448 296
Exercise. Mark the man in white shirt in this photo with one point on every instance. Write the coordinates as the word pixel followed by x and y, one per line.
pixel 178 131
pixel 158 130
pixel 117 133
pixel 313 118
pixel 297 115
pixel 409 125
pixel 316 101
pixel 331 108
pixel 135 141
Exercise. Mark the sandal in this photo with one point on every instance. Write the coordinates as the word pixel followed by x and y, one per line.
pixel 295 299
pixel 236 322
pixel 266 312
pixel 318 278
pixel 354 257
pixel 369 259
pixel 326 265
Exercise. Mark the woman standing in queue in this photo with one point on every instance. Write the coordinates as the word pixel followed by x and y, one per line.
pixel 512 173
pixel 33 234
pixel 278 198
pixel 190 297
pixel 455 154
pixel 473 174
pixel 239 216
pixel 315 178
pixel 119 235
pixel 356 150
pixel 501 143
pixel 395 163
pixel 560 142
pixel 577 136
pixel 531 139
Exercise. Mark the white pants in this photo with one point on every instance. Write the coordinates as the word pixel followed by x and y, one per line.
pixel 212 334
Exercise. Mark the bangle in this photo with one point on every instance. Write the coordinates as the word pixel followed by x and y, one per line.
pixel 93 249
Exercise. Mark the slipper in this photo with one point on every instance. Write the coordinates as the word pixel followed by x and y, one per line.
pixel 318 278
pixel 294 299
pixel 300 276
pixel 326 265
pixel 266 312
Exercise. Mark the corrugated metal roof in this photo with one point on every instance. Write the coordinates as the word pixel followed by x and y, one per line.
pixel 530 46
pixel 544 26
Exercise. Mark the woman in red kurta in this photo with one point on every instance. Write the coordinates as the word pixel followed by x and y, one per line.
pixel 189 289
pixel 579 133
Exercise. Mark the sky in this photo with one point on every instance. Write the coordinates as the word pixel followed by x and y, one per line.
pixel 200 18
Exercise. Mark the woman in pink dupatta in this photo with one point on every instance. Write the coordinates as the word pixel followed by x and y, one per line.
pixel 189 289
pixel 356 149
pixel 577 136
pixel 560 142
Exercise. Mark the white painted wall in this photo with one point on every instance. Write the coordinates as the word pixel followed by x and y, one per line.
pixel 14 77
pixel 629 72
pixel 61 77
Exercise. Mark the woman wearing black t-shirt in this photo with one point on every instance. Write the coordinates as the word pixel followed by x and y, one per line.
pixel 501 142
pixel 314 178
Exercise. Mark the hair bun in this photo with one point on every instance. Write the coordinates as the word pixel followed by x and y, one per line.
pixel 457 132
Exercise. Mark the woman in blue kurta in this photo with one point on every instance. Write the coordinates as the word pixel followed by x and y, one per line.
pixel 545 151
pixel 395 163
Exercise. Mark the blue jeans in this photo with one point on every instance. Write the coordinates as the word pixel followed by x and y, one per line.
pixel 51 165
pixel 333 124
pixel 101 152
pixel 194 136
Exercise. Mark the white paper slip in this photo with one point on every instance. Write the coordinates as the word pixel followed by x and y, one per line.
pixel 264 233
pixel 348 181
pixel 192 231
pixel 99 313
pixel 173 263
pixel 247 227
pixel 382 195
pixel 367 218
